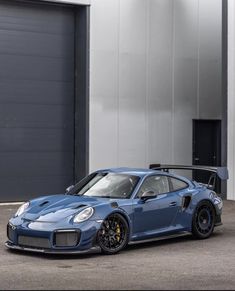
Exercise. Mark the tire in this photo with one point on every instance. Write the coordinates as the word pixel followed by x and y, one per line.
pixel 203 220
pixel 113 235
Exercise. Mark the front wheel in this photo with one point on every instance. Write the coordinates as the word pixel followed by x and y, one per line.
pixel 203 220
pixel 114 234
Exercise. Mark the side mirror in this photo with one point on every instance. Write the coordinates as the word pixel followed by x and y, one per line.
pixel 148 195
pixel 69 188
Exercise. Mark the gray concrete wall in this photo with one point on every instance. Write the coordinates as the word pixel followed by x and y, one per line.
pixel 154 66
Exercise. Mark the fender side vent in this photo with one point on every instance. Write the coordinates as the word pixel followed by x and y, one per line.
pixel 114 205
pixel 186 202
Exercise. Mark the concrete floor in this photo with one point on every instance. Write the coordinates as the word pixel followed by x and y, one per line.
pixel 180 263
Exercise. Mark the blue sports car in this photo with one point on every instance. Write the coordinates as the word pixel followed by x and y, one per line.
pixel 113 207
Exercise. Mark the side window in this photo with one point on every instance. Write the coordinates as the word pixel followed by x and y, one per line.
pixel 158 184
pixel 178 184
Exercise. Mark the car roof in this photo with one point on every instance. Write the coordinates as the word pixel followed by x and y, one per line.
pixel 141 172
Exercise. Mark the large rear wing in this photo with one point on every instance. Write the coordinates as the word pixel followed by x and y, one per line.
pixel 220 172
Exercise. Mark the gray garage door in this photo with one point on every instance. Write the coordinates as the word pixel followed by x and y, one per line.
pixel 36 99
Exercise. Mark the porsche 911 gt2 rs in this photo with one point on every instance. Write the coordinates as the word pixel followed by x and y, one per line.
pixel 113 207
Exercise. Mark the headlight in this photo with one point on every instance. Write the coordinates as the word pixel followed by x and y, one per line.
pixel 84 215
pixel 22 209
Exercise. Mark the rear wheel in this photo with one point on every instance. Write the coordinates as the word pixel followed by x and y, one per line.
pixel 113 234
pixel 203 220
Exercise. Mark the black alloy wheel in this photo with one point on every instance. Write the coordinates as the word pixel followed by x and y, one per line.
pixel 114 234
pixel 203 220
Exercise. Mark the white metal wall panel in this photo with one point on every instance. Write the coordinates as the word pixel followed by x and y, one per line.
pixel 132 83
pixel 210 70
pixel 185 71
pixel 104 75
pixel 148 81
pixel 159 82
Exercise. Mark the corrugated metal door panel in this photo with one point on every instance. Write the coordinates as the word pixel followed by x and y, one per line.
pixel 36 99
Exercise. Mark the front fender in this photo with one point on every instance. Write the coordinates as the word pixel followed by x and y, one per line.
pixel 104 211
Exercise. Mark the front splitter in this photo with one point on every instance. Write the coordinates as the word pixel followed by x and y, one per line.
pixel 10 245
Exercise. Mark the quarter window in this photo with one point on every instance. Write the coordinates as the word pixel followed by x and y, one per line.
pixel 178 184
pixel 158 184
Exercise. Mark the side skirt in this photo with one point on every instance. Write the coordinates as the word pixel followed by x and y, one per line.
pixel 183 233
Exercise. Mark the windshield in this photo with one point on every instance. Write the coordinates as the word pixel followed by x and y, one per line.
pixel 109 185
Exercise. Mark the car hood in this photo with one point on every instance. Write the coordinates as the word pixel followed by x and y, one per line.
pixel 58 207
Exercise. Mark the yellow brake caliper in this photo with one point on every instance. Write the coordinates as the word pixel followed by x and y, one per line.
pixel 118 232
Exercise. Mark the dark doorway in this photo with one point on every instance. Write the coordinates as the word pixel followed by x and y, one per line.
pixel 206 147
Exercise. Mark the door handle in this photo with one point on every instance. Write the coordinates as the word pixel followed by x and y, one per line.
pixel 173 203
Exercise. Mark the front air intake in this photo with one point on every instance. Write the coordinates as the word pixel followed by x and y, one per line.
pixel 66 238
pixel 10 232
pixel 35 242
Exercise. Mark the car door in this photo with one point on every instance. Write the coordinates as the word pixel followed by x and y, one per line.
pixel 156 213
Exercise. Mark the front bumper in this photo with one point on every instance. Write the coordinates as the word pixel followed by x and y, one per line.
pixel 53 240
